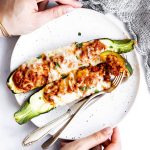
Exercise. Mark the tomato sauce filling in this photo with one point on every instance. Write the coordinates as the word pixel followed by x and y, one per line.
pixel 84 78
pixel 31 76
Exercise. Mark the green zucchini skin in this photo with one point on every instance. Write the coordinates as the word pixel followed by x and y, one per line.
pixel 36 105
pixel 7 82
pixel 32 108
pixel 129 67
pixel 119 46
pixel 26 113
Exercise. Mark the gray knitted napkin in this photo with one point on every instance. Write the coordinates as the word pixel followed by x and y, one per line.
pixel 136 15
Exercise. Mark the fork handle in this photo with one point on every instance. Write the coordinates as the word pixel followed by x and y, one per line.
pixel 55 137
pixel 43 131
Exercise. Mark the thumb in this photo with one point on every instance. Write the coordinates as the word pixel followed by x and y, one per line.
pixel 52 13
pixel 96 139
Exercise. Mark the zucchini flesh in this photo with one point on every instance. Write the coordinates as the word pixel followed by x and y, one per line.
pixel 119 46
pixel 37 104
pixel 32 108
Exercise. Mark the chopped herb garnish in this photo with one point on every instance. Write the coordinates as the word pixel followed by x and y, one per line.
pixel 79 45
pixel 91 87
pixel 40 97
pixel 39 57
pixel 119 50
pixel 79 33
pixel 110 46
pixel 83 67
pixel 63 76
pixel 77 57
pixel 83 88
pixel 57 65
pixel 96 91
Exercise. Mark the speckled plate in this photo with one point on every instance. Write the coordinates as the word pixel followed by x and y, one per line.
pixel 109 109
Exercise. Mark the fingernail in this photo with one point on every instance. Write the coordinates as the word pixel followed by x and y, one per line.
pixel 69 9
pixel 107 130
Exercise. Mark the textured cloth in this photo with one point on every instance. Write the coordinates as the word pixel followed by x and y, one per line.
pixel 136 15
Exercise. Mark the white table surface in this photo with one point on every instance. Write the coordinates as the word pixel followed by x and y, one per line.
pixel 135 127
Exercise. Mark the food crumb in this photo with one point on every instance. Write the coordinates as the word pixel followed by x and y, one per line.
pixel 79 33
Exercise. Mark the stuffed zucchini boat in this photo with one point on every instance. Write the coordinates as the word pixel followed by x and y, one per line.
pixel 57 64
pixel 76 85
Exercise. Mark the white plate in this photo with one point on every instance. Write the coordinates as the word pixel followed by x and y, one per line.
pixel 111 108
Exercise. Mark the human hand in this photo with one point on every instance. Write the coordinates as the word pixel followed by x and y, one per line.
pixel 96 141
pixel 23 16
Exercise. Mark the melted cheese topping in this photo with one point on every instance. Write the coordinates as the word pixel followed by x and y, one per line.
pixel 82 82
pixel 52 66
pixel 78 84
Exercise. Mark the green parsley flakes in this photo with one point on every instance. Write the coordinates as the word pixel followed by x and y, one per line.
pixel 79 33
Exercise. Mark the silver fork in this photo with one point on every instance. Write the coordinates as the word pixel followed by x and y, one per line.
pixel 115 83
pixel 44 130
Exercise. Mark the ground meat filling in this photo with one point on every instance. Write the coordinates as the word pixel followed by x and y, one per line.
pixel 90 50
pixel 81 79
pixel 85 78
pixel 28 77
pixel 114 66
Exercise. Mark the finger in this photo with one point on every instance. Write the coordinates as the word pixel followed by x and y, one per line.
pixel 73 3
pixel 115 141
pixel 52 13
pixel 96 139
pixel 43 5
pixel 116 136
pixel 106 143
pixel 62 144
pixel 98 147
